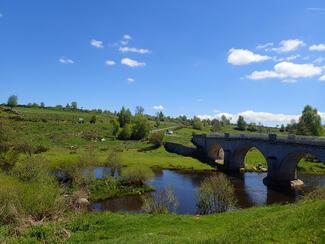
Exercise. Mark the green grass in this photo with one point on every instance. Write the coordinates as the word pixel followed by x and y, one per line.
pixel 301 222
pixel 110 188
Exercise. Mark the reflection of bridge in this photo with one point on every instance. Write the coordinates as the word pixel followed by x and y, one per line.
pixel 281 153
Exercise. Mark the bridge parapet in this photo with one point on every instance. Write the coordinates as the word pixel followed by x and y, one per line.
pixel 307 140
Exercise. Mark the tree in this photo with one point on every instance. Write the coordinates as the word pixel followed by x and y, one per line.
pixel 12 101
pixel 197 124
pixel 74 105
pixel 139 110
pixel 160 116
pixel 282 128
pixel 216 125
pixel 124 117
pixel 68 106
pixel 310 122
pixel 241 123
pixel 140 128
pixel 156 138
pixel 113 162
pixel 115 126
pixel 42 104
pixel 225 120
pixel 125 133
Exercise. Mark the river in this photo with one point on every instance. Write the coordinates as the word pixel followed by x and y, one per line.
pixel 249 190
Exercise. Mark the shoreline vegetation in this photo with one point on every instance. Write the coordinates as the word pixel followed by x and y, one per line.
pixel 45 191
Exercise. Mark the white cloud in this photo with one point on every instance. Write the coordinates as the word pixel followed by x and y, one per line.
pixel 319 60
pixel 97 43
pixel 134 50
pixel 132 63
pixel 110 62
pixel 158 107
pixel 243 57
pixel 64 60
pixel 287 70
pixel 322 78
pixel 265 46
pixel 293 57
pixel 130 80
pixel 127 37
pixel 319 47
pixel 289 81
pixel 289 45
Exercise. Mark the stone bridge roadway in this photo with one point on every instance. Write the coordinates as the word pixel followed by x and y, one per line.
pixel 281 153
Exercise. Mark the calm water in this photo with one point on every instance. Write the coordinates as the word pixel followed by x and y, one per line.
pixel 249 190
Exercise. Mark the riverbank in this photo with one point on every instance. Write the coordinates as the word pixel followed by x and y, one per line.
pixel 301 222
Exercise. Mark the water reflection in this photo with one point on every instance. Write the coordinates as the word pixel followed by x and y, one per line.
pixel 249 189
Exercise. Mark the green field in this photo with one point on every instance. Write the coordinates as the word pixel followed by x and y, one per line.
pixel 293 223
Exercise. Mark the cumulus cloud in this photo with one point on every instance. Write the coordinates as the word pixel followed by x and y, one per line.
pixel 322 78
pixel 289 45
pixel 130 80
pixel 158 107
pixel 127 37
pixel 97 43
pixel 132 63
pixel 243 57
pixel 64 60
pixel 287 70
pixel 319 47
pixel 110 62
pixel 134 50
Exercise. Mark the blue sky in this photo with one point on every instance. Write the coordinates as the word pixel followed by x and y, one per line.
pixel 262 59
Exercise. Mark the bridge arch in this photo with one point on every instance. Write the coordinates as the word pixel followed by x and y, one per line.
pixel 216 153
pixel 240 155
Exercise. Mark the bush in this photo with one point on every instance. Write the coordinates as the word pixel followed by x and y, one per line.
pixel 31 169
pixel 125 133
pixel 141 127
pixel 113 162
pixel 24 147
pixel 156 138
pixel 160 202
pixel 197 124
pixel 216 194
pixel 315 194
pixel 137 176
pixel 8 157
pixel 40 149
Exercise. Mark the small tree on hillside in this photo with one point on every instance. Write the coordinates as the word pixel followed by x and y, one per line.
pixel 115 126
pixel 74 105
pixel 197 124
pixel 241 123
pixel 216 125
pixel 141 127
pixel 12 101
pixel 93 119
pixel 124 117
pixel 310 122
pixel 139 110
pixel 224 120
pixel 252 127
pixel 125 133
pixel 42 104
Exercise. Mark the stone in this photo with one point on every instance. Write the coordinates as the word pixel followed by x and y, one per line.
pixel 83 202
pixel 296 183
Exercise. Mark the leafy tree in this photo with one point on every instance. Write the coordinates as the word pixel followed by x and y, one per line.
pixel 74 105
pixel 124 117
pixel 310 122
pixel 93 119
pixel 216 125
pixel 160 115
pixel 241 123
pixel 197 124
pixel 282 128
pixel 115 126
pixel 125 133
pixel 224 120
pixel 12 101
pixel 113 162
pixel 140 128
pixel 42 104
pixel 139 110
pixel 68 106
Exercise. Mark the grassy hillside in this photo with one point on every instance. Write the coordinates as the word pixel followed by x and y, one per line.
pixel 293 223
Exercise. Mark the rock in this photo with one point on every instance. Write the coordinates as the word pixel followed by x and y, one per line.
pixel 262 169
pixel 296 183
pixel 82 202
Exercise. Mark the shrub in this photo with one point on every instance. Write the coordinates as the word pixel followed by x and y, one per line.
pixel 197 124
pixel 93 119
pixel 8 157
pixel 31 169
pixel 90 135
pixel 125 133
pixel 216 194
pixel 160 202
pixel 318 193
pixel 10 208
pixel 137 176
pixel 24 147
pixel 113 162
pixel 141 127
pixel 156 138
pixel 40 149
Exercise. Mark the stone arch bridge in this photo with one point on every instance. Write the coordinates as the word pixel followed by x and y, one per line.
pixel 281 153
